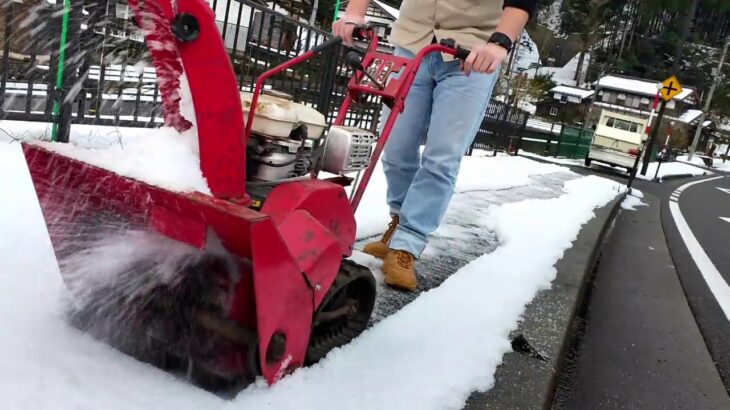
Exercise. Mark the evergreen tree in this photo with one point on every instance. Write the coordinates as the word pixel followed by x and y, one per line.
pixel 587 18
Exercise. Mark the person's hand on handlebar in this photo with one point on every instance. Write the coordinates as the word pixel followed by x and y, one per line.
pixel 345 26
pixel 484 58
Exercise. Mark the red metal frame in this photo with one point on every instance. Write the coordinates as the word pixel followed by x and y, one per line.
pixel 289 253
pixel 213 86
pixel 382 67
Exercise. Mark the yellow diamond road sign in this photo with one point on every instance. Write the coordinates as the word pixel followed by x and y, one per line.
pixel 672 88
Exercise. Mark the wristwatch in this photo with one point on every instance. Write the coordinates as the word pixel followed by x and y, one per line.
pixel 501 40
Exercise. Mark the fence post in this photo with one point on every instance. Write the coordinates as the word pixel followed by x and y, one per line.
pixel 328 79
pixel 560 142
pixel 61 113
pixel 549 142
pixel 7 9
pixel 87 42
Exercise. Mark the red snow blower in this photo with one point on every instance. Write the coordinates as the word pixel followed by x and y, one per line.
pixel 274 290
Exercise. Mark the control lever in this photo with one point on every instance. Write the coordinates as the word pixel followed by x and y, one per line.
pixel 354 60
pixel 461 53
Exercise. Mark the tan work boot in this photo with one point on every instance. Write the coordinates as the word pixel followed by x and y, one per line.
pixel 399 268
pixel 380 248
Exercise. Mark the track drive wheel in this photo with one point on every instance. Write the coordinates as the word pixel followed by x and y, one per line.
pixel 344 312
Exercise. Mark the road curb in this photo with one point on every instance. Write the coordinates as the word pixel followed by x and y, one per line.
pixel 680 176
pixel 529 375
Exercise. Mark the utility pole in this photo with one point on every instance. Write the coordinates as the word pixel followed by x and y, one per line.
pixel 652 139
pixel 313 16
pixel 708 102
pixel 664 153
pixel 647 132
pixel 587 113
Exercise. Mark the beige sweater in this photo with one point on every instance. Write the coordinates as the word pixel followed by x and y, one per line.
pixel 469 22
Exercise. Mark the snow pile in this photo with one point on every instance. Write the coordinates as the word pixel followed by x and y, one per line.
pixel 724 124
pixel 161 157
pixel 527 106
pixel 46 363
pixel 430 355
pixel 167 160
pixel 670 169
pixel 476 174
pixel 427 356
pixel 565 75
pixel 528 54
pixel 716 162
pixel 666 169
pixel 633 200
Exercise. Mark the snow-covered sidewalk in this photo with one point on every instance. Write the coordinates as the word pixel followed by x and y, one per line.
pixel 666 169
pixel 717 163
pixel 427 355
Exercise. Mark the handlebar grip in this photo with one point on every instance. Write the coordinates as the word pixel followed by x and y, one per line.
pixel 462 53
pixel 332 42
pixel 362 32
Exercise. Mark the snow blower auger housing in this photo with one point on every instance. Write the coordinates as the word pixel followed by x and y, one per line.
pixel 273 289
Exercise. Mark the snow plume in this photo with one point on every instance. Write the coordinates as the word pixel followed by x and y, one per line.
pixel 127 285
pixel 131 262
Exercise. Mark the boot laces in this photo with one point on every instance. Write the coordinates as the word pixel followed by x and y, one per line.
pixel 404 259
pixel 392 226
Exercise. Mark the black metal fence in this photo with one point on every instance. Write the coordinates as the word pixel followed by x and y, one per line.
pixel 502 128
pixel 109 78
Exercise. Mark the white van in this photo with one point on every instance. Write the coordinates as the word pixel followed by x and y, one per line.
pixel 617 140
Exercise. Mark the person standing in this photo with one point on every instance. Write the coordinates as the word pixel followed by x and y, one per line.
pixel 443 111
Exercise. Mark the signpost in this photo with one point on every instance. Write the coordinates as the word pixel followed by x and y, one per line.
pixel 671 88
pixel 647 132
pixel 664 153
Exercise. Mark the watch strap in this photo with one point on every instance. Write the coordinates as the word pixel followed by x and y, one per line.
pixel 501 40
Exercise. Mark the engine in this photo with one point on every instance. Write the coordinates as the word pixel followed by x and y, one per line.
pixel 288 141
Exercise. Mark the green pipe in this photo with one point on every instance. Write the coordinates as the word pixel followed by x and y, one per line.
pixel 337 10
pixel 61 64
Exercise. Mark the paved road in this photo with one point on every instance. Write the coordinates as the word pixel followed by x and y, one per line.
pixel 699 241
pixel 653 333
pixel 639 346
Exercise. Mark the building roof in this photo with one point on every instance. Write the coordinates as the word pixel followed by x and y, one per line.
pixel 637 86
pixel 689 116
pixel 394 12
pixel 574 91
pixel 377 11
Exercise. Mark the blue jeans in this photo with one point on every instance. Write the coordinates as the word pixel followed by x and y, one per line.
pixel 443 111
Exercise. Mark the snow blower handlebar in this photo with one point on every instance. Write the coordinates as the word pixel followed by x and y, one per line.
pixel 361 31
pixel 374 78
